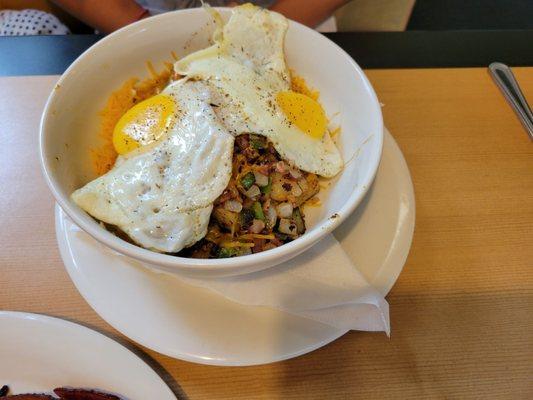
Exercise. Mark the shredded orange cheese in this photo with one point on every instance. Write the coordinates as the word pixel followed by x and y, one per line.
pixel 334 132
pixel 299 85
pixel 154 85
pixel 237 244
pixel 256 236
pixel 120 101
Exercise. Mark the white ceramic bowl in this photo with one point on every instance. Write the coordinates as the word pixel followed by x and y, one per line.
pixel 69 127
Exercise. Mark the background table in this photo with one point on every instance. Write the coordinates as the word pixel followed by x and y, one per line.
pixel 462 325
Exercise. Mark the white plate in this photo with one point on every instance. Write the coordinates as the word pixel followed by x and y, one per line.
pixel 193 324
pixel 39 353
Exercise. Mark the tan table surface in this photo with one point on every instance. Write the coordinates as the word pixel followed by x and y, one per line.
pixel 461 311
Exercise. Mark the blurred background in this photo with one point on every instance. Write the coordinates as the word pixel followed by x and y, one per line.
pixel 373 15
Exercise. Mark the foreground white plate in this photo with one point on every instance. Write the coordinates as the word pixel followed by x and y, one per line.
pixel 39 353
pixel 193 324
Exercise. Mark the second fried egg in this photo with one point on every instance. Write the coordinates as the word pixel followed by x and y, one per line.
pixel 247 71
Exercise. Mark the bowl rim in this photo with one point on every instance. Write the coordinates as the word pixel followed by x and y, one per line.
pixel 266 258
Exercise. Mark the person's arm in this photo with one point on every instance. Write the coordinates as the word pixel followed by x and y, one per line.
pixel 105 16
pixel 308 12
pixel 118 13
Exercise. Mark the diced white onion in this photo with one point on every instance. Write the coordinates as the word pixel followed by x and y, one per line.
pixel 271 216
pixel 253 192
pixel 260 179
pixel 233 206
pixel 257 226
pixel 281 167
pixel 285 210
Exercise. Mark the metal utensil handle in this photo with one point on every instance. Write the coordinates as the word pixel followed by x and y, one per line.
pixel 504 78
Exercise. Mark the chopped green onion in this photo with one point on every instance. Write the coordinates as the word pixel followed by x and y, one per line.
pixel 258 143
pixel 266 189
pixel 246 217
pixel 281 236
pixel 299 220
pixel 258 211
pixel 248 180
pixel 226 252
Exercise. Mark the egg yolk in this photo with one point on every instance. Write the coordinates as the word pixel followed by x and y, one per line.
pixel 144 123
pixel 304 112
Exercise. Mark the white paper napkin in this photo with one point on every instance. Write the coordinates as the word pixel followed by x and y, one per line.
pixel 321 284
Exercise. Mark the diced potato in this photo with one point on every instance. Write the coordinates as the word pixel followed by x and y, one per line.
pixel 225 218
pixel 281 187
pixel 309 189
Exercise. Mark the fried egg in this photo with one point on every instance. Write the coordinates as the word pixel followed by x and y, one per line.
pixel 176 160
pixel 247 71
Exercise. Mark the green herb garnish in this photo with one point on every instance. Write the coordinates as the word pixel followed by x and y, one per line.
pixel 246 217
pixel 257 142
pixel 258 211
pixel 248 180
pixel 268 188
pixel 226 252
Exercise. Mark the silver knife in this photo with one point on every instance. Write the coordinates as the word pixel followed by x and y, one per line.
pixel 504 78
